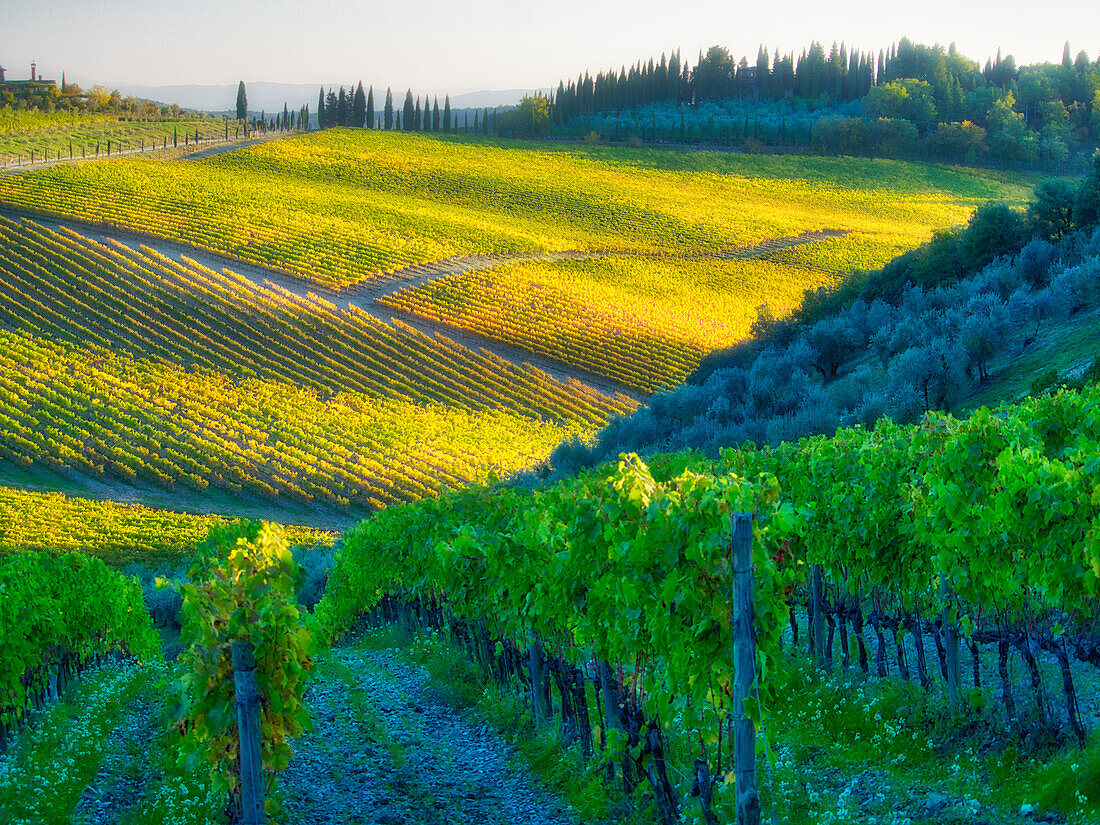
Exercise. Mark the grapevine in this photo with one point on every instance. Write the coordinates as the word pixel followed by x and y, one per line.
pixel 241 588
pixel 57 612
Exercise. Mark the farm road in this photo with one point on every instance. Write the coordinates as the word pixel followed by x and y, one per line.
pixel 222 148
pixel 414 276
pixel 385 748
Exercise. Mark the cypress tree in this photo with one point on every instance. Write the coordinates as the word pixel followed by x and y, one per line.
pixel 358 107
pixel 321 108
pixel 286 116
pixel 369 110
pixel 475 121
pixel 435 115
pixel 397 125
pixel 332 112
pixel 342 114
pixel 407 110
pixel 416 115
pixel 387 112
pixel 447 114
pixel 242 102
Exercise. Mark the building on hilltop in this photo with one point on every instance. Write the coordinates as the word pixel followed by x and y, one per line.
pixel 36 85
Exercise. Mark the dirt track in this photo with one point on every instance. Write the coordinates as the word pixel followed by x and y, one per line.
pixel 222 148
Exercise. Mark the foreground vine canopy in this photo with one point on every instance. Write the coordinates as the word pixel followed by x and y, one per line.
pixel 999 511
pixel 56 613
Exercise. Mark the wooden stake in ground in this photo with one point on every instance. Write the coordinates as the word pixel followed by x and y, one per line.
pixel 817 590
pixel 248 730
pixel 744 657
pixel 540 682
pixel 951 643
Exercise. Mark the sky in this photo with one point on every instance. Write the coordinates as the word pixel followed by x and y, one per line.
pixel 470 45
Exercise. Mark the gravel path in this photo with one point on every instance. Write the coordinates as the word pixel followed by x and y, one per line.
pixel 222 148
pixel 384 751
pixel 121 780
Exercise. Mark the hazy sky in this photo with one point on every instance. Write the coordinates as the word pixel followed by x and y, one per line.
pixel 485 44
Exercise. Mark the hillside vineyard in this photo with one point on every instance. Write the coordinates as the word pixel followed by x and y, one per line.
pixel 306 376
pixel 407 336
pixel 353 205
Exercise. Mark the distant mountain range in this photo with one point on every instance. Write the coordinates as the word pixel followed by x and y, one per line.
pixel 270 97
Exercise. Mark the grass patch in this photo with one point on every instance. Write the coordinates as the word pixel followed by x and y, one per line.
pixel 57 754
pixel 1059 348
pixel 849 750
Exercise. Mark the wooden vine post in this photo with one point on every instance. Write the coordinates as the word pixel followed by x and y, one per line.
pixel 744 673
pixel 540 682
pixel 248 730
pixel 951 643
pixel 817 590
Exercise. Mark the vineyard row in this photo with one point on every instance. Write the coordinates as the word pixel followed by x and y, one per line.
pixel 70 287
pixel 977 530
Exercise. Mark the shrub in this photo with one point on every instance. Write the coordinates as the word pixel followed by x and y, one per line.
pixel 1035 261
pixel 1086 207
pixel 316 562
pixel 1051 213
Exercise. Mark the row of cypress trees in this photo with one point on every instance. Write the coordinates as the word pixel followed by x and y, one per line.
pixel 357 109
pixel 346 108
pixel 960 88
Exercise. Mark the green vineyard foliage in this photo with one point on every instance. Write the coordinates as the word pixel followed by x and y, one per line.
pixel 117 533
pixel 629 567
pixel 633 566
pixel 58 611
